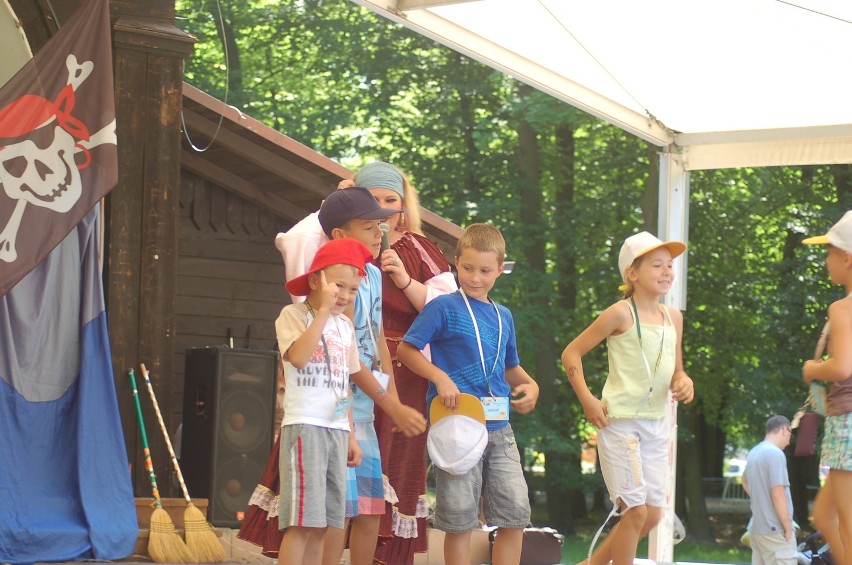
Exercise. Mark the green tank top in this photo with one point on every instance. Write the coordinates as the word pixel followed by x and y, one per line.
pixel 628 391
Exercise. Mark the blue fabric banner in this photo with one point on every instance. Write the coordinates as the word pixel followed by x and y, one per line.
pixel 65 487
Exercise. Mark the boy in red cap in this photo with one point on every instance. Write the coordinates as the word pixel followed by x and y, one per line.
pixel 317 342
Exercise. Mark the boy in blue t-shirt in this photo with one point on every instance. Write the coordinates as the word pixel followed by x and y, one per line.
pixel 472 341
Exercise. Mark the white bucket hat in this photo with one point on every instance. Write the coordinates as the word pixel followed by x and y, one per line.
pixel 639 244
pixel 457 438
pixel 840 235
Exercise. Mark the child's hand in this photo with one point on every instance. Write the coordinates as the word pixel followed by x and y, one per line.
pixel 408 421
pixel 683 389
pixel 345 183
pixel 448 392
pixel 596 412
pixel 525 397
pixel 329 293
pixel 354 453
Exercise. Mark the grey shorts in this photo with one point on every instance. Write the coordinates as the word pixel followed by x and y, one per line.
pixel 312 468
pixel 498 479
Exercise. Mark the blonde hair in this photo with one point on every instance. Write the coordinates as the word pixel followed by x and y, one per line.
pixel 629 289
pixel 411 206
pixel 482 238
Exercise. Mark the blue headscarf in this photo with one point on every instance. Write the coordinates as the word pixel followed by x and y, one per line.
pixel 379 174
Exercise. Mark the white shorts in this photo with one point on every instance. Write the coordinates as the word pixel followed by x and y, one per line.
pixel 634 460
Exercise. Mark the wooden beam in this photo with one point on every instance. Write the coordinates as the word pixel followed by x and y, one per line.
pixel 142 212
pixel 263 131
pixel 251 192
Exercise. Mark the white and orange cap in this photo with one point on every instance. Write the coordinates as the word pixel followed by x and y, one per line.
pixel 840 235
pixel 639 244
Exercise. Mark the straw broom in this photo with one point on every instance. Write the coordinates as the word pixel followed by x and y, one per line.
pixel 200 537
pixel 164 543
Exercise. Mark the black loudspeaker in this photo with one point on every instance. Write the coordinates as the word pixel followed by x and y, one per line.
pixel 228 420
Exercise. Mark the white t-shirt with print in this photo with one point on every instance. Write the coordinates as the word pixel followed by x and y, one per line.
pixel 311 393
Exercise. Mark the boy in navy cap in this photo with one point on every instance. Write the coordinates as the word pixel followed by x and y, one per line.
pixel 354 213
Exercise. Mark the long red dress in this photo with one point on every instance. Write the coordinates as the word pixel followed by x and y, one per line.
pixel 260 525
pixel 403 527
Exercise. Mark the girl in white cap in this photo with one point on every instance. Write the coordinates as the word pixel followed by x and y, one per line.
pixel 643 340
pixel 832 512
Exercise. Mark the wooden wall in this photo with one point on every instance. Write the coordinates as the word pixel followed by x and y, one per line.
pixel 230 275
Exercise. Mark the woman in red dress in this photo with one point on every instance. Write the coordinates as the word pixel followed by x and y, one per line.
pixel 415 271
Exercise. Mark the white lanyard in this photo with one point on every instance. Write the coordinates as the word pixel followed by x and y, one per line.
pixel 479 339
pixel 377 360
pixel 644 357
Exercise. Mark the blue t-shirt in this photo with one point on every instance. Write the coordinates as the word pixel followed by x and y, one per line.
pixel 368 299
pixel 446 326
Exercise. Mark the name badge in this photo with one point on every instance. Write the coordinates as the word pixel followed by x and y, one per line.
pixel 341 409
pixel 496 408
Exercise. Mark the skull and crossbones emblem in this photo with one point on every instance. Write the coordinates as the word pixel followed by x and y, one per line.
pixel 48 177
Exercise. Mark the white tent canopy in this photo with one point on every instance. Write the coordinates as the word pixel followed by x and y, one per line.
pixel 715 84
pixel 727 83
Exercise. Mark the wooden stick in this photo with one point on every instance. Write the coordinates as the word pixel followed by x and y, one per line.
pixel 200 537
pixel 164 543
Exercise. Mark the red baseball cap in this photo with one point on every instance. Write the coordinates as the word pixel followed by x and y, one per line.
pixel 343 251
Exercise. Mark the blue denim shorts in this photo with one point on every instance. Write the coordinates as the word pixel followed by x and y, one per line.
pixel 498 479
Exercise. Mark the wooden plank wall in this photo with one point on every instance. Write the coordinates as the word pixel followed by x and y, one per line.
pixel 230 275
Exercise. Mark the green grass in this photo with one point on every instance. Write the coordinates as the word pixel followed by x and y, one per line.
pixel 576 548
pixel 727 528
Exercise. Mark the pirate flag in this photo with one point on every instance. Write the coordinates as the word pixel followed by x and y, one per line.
pixel 57 141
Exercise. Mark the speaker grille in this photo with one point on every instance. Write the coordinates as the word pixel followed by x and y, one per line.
pixel 229 412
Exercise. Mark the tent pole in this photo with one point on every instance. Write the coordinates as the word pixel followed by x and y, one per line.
pixel 673 223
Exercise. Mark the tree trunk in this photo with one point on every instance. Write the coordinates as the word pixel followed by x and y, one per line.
pixel 697 520
pixel 712 440
pixel 539 296
pixel 843 182
pixel 235 69
pixel 650 198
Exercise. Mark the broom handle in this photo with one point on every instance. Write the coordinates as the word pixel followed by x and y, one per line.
pixel 165 431
pixel 149 465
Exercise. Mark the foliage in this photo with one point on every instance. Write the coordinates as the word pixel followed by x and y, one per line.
pixel 564 187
